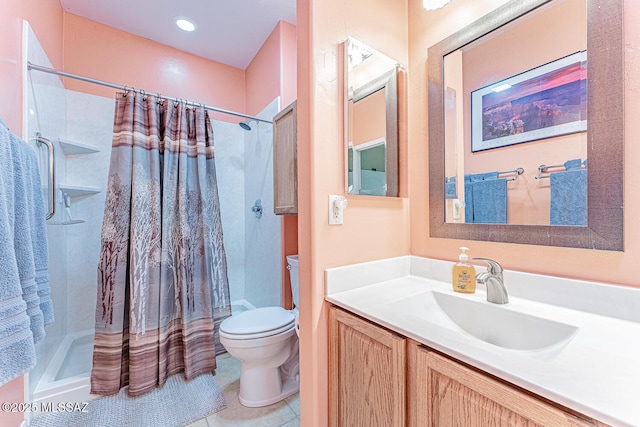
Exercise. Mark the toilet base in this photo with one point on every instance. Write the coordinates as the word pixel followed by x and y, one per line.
pixel 290 386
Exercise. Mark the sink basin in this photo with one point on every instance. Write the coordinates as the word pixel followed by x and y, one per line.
pixel 492 323
pixel 500 326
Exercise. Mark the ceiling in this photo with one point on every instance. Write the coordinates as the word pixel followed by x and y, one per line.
pixel 227 31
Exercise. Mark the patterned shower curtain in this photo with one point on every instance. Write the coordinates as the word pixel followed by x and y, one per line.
pixel 162 276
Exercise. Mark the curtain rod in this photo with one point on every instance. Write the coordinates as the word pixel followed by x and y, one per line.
pixel 31 66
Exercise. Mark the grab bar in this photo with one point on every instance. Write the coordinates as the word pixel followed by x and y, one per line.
pixel 52 174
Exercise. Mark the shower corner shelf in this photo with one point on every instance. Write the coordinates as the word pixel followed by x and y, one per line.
pixel 78 191
pixel 71 147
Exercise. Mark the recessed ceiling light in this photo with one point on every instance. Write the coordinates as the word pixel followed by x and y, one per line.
pixel 185 25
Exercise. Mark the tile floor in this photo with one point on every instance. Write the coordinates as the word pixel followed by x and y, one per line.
pixel 282 414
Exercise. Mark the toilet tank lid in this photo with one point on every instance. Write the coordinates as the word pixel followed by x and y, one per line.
pixel 258 320
pixel 292 260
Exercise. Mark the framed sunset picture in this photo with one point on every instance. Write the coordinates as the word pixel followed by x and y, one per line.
pixel 546 101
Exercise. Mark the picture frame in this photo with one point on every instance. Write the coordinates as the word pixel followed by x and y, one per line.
pixel 543 102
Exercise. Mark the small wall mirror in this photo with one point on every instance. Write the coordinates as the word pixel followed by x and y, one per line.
pixel 526 126
pixel 371 122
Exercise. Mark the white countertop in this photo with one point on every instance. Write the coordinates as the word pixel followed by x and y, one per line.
pixel 597 372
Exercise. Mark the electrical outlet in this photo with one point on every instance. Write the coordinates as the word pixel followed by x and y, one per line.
pixel 336 209
pixel 456 210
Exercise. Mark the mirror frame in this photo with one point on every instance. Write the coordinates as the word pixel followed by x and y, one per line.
pixel 605 134
pixel 391 81
pixel 388 82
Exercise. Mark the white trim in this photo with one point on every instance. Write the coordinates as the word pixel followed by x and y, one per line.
pixel 368 144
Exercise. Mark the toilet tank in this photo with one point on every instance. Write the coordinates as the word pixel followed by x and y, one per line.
pixel 292 261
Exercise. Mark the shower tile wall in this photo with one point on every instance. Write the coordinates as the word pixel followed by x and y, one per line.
pixel 89 121
pixel 263 238
pixel 229 159
pixel 44 112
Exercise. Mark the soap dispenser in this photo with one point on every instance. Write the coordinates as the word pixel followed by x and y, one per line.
pixel 464 274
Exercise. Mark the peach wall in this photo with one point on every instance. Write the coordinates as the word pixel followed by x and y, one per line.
pixel 374 227
pixel 314 401
pixel 522 48
pixel 367 118
pixel 12 392
pixel 95 50
pixel 289 63
pixel 426 29
pixel 272 72
pixel 45 18
pixel 263 74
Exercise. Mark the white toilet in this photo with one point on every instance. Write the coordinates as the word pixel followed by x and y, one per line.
pixel 265 340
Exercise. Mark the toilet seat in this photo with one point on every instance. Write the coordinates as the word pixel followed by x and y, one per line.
pixel 257 323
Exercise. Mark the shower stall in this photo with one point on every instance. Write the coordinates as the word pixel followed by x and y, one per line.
pixel 79 126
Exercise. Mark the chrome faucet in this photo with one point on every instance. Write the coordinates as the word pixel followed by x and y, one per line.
pixel 496 292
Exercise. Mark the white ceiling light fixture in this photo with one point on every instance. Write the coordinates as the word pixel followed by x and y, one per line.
pixel 434 4
pixel 185 24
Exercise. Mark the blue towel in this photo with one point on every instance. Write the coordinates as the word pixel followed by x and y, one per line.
pixel 490 201
pixel 22 242
pixel 38 228
pixel 573 164
pixel 17 349
pixel 450 189
pixel 569 197
pixel 469 179
pixel 469 201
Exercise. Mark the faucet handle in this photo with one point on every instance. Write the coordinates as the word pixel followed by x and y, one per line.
pixel 493 266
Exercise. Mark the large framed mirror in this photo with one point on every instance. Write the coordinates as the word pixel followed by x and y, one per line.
pixel 526 126
pixel 371 120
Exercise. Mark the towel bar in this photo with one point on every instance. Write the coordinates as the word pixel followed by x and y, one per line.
pixel 545 169
pixel 517 171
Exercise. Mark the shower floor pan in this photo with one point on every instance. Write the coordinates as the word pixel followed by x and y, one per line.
pixel 66 379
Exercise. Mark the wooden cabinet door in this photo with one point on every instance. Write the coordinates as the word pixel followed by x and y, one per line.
pixel 446 393
pixel 285 161
pixel 367 373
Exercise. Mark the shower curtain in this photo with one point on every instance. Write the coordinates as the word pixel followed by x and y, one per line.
pixel 162 276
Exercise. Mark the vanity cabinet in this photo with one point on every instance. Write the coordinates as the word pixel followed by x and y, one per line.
pixel 372 369
pixel 443 392
pixel 367 373
pixel 285 162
